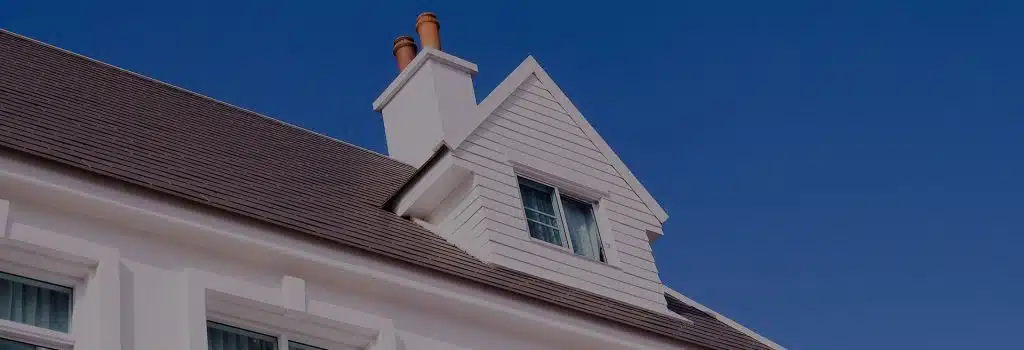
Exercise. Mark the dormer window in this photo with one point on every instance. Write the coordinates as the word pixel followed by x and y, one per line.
pixel 561 220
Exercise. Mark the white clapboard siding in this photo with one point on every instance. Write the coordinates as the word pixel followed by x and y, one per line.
pixel 510 108
pixel 550 153
pixel 554 260
pixel 555 154
pixel 536 130
pixel 638 253
pixel 550 257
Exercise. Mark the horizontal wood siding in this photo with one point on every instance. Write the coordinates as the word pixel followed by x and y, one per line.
pixel 533 124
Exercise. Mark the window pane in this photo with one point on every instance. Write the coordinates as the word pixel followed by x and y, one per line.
pixel 224 337
pixel 299 346
pixel 541 215
pixel 35 303
pixel 13 345
pixel 579 218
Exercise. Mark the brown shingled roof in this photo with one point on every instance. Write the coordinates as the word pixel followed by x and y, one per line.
pixel 109 122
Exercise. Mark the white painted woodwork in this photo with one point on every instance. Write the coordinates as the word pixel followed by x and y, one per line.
pixel 526 129
pixel 148 273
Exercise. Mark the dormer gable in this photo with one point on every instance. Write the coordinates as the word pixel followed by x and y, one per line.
pixel 521 180
pixel 529 142
pixel 531 91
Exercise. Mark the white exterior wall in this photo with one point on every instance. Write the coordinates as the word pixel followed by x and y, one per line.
pixel 151 272
pixel 431 101
pixel 532 134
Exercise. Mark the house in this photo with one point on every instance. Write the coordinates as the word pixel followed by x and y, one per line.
pixel 139 215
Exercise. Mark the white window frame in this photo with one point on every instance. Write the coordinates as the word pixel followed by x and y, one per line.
pixel 282 337
pixel 24 263
pixel 90 270
pixel 562 222
pixel 284 313
pixel 41 338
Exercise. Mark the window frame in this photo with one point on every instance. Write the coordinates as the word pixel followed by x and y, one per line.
pixel 24 262
pixel 43 283
pixel 39 337
pixel 239 303
pixel 282 338
pixel 282 335
pixel 557 196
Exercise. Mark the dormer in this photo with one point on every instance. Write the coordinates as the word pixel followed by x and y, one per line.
pixel 521 180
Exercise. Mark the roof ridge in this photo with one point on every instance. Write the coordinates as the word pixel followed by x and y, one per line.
pixel 166 84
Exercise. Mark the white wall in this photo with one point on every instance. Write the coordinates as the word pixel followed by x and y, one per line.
pixel 157 245
pixel 431 101
pixel 531 133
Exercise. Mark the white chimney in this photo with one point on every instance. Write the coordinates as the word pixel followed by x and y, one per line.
pixel 430 102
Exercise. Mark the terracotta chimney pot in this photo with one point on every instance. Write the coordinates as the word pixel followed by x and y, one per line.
pixel 404 50
pixel 429 30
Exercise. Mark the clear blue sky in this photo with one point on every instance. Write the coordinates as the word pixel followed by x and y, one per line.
pixel 839 174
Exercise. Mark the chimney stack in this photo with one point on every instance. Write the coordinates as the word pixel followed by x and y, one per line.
pixel 404 50
pixel 431 102
pixel 429 30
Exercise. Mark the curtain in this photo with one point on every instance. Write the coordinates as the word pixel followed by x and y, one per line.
pixel 35 303
pixel 579 217
pixel 224 337
pixel 540 211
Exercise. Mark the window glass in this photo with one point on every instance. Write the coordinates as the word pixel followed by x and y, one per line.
pixel 224 337
pixel 579 221
pixel 35 303
pixel 13 345
pixel 541 213
pixel 299 346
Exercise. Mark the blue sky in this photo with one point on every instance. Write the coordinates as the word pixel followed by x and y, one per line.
pixel 839 175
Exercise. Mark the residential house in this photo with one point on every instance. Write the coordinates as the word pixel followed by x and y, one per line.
pixel 139 215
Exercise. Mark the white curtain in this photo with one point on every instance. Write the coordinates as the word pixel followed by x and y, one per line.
pixel 35 303
pixel 223 337
pixel 579 217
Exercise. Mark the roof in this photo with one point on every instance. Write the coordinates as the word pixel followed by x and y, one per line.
pixel 684 306
pixel 109 122
pixel 529 67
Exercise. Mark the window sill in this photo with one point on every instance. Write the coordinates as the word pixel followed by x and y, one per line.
pixel 34 335
pixel 566 251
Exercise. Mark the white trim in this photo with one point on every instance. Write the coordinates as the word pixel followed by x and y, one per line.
pixel 283 313
pixel 529 67
pixel 151 214
pixel 724 319
pixel 35 335
pixel 414 66
pixel 5 209
pixel 563 223
pixel 91 270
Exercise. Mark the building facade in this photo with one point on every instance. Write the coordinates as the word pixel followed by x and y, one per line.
pixel 138 215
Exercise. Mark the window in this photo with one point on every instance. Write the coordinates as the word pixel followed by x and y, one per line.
pixel 561 220
pixel 223 337
pixel 35 303
pixel 13 345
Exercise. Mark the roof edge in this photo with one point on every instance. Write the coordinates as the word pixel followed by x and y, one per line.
pixel 392 201
pixel 723 319
pixel 530 66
